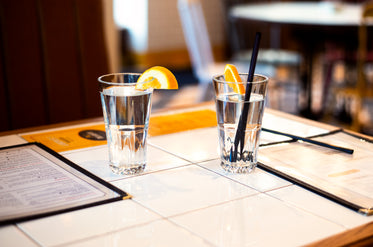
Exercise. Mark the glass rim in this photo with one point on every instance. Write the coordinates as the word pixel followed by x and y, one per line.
pixel 100 79
pixel 264 79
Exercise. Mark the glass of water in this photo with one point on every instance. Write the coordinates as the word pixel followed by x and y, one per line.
pixel 126 113
pixel 229 107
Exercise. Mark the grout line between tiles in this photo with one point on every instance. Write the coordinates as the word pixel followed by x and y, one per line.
pixel 193 210
pixel 160 148
pixel 178 156
pixel 107 233
pixel 27 235
pixel 211 170
pixel 191 232
pixel 168 218
pixel 300 207
pixel 150 172
pixel 91 148
pixel 172 220
pixel 161 217
pixel 213 205
pixel 281 187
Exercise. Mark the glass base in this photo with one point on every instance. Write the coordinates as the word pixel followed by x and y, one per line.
pixel 125 170
pixel 238 168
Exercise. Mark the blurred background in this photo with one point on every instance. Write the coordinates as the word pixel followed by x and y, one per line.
pixel 51 53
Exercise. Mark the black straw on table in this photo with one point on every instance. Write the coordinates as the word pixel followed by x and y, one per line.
pixel 342 149
pixel 240 132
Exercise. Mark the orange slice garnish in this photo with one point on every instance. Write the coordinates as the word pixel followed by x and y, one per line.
pixel 157 77
pixel 231 75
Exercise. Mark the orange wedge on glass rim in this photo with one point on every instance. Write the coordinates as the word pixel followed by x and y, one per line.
pixel 157 77
pixel 231 75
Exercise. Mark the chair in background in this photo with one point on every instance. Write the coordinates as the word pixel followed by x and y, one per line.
pixel 269 61
pixel 281 65
pixel 198 43
pixel 352 95
pixel 51 53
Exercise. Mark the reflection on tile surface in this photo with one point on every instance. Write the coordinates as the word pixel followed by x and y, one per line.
pixel 258 179
pixel 96 159
pixel 320 206
pixel 157 233
pixel 86 223
pixel 257 220
pixel 182 189
pixel 11 236
pixel 195 145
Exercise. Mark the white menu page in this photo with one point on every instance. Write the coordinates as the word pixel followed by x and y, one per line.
pixel 345 178
pixel 34 181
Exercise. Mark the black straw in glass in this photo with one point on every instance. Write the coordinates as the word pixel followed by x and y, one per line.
pixel 342 149
pixel 240 132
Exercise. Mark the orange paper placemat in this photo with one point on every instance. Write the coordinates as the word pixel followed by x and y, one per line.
pixel 167 124
pixel 94 135
pixel 69 139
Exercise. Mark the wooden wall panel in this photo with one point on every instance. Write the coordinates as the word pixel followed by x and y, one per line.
pixel 21 63
pixel 4 115
pixel 94 58
pixel 61 59
pixel 51 53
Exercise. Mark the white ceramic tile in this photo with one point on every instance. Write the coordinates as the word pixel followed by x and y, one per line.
pixel 320 206
pixel 11 140
pixel 82 224
pixel 157 233
pixel 258 179
pixel 11 236
pixel 195 145
pixel 182 189
pixel 258 220
pixel 202 144
pixel 96 159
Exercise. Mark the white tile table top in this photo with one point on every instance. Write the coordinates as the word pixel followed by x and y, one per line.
pixel 259 180
pixel 195 145
pixel 184 198
pixel 258 220
pixel 96 160
pixel 202 144
pixel 158 233
pixel 182 189
pixel 320 206
pixel 11 236
pixel 90 222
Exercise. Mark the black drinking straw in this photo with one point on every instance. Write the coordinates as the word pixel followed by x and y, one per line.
pixel 240 132
pixel 338 148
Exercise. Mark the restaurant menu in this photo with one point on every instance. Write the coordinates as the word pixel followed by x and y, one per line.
pixel 344 178
pixel 35 181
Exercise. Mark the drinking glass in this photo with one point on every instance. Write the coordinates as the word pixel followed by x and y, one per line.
pixel 241 158
pixel 126 113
